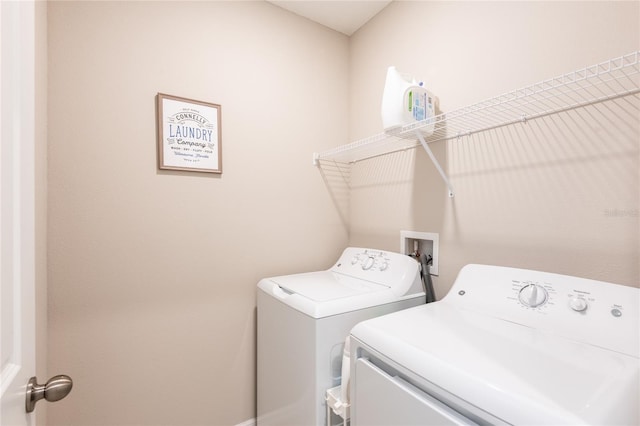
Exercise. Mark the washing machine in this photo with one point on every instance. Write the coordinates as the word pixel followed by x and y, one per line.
pixel 505 346
pixel 304 319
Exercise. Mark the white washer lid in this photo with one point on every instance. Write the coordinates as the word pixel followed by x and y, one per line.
pixel 325 293
pixel 518 374
pixel 325 285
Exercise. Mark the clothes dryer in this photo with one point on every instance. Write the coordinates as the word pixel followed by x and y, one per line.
pixel 505 346
pixel 304 319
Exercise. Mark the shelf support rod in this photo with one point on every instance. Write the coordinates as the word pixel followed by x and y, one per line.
pixel 435 162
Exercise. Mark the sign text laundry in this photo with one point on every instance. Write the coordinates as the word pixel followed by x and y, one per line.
pixel 194 133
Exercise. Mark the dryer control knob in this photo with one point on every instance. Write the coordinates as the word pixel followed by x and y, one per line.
pixel 533 295
pixel 578 304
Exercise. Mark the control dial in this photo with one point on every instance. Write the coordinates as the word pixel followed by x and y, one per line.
pixel 533 295
pixel 578 304
pixel 368 263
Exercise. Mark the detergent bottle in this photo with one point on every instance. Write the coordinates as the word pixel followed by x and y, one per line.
pixel 405 101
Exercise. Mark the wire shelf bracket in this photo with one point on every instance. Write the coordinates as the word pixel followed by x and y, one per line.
pixel 435 162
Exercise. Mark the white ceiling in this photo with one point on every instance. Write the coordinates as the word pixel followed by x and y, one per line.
pixel 343 16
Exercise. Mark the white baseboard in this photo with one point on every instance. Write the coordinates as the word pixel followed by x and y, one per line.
pixel 250 422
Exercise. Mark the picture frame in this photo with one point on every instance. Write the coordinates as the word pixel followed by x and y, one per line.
pixel 189 134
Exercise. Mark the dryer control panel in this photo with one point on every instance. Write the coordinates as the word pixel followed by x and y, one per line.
pixel 593 312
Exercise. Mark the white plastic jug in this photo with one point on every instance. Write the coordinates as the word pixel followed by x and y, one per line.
pixel 405 101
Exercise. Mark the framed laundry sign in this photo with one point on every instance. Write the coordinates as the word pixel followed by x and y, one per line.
pixel 189 134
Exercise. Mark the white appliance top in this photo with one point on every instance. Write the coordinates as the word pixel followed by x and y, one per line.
pixel 527 347
pixel 361 278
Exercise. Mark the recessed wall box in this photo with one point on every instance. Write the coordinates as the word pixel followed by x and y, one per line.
pixel 423 242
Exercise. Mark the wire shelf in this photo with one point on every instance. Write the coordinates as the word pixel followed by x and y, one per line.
pixel 608 80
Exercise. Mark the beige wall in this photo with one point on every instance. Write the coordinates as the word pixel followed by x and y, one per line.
pixel 557 194
pixel 152 274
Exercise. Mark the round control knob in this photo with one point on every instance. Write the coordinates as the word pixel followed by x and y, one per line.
pixel 578 304
pixel 384 266
pixel 533 295
pixel 354 259
pixel 368 263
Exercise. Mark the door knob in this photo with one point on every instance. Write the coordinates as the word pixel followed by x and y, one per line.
pixel 55 389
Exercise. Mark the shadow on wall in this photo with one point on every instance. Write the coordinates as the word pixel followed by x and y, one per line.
pixel 337 178
pixel 381 189
pixel 549 185
pixel 372 196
